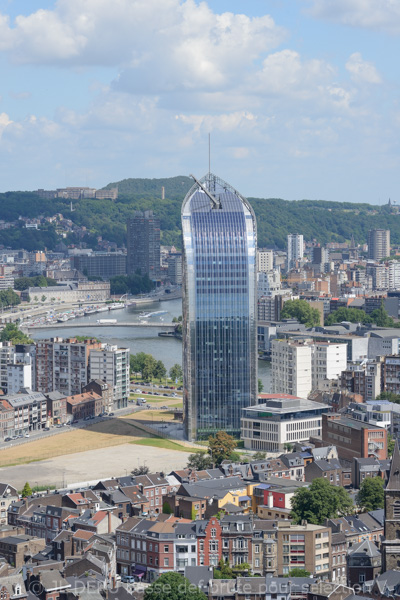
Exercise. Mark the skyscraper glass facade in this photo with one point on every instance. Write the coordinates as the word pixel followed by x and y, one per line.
pixel 219 308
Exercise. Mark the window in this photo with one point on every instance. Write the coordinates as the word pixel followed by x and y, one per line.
pixel 166 548
pixel 166 562
pixel 257 562
pixel 213 533
pixel 201 545
pixel 257 549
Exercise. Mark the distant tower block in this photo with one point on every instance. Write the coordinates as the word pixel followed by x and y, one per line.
pixel 163 193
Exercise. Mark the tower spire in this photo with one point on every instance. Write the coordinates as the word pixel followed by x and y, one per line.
pixel 394 477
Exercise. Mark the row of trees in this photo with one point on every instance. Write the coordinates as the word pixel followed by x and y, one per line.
pixel 150 368
pixel 12 333
pixel 310 317
pixel 131 284
pixel 23 283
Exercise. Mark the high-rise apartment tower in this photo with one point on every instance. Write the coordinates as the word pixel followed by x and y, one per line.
pixel 219 308
pixel 295 251
pixel 143 237
pixel 378 243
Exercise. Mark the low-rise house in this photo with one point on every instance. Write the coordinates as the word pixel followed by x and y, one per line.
pixel 8 495
pixel 339 558
pixel 329 591
pixel 47 584
pixel 16 549
pixel 294 461
pixel 331 470
pixel 56 407
pixel 363 563
pixel 102 521
pixel 357 528
pixel 103 389
pixel 12 587
pixel 362 468
pixel 86 405
pixel 237 534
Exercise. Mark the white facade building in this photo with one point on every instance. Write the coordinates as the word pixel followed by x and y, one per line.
pixel 268 283
pixel 291 367
pixel 111 364
pixel 295 251
pixel 300 366
pixel 328 362
pixel 394 275
pixel 282 419
pixel 265 260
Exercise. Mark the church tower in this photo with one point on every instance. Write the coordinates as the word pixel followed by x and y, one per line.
pixel 391 545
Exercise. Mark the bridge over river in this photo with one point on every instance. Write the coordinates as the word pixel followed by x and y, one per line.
pixel 73 325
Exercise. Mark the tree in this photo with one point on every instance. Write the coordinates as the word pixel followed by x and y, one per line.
pixel 288 446
pixel 149 367
pixel 390 444
pixel 9 298
pixel 159 370
pixel 167 510
pixel 302 311
pixel 319 502
pixel 297 572
pixel 221 446
pixel 173 586
pixel 259 456
pixel 371 494
pixel 43 298
pixel 12 333
pixel 260 386
pixel 136 362
pixel 176 372
pixel 224 571
pixel 199 461
pixel 234 457
pixel 141 470
pixel 27 490
pixel 391 396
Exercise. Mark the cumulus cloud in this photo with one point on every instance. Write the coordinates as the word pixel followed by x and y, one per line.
pixel 379 15
pixel 361 70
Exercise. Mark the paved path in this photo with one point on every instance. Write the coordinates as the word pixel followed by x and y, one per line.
pixel 93 465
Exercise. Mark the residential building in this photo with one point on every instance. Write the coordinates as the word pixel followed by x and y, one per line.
pixel 237 535
pixel 391 543
pixel 363 377
pixel 304 546
pixel 16 549
pixel 219 308
pixel 174 272
pixel 328 361
pixel 391 374
pixel 352 438
pixel 103 389
pixel 363 563
pixel 331 470
pixel 62 365
pixel 30 411
pixel 6 419
pixel 378 243
pixel 84 405
pixel 291 367
pixel 339 558
pixel 56 408
pixel 143 241
pixel 282 419
pixel 268 283
pixel 265 260
pixel 295 251
pixel 8 495
pixel 394 275
pixel 111 365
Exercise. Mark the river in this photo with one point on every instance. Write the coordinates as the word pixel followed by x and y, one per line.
pixel 142 339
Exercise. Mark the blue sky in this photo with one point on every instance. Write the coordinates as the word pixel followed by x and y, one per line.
pixel 301 97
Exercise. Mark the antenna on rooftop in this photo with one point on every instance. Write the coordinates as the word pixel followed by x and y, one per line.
pixel 209 153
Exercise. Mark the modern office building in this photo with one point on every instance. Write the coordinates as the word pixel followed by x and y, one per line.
pixel 378 243
pixel 265 260
pixel 280 420
pixel 100 264
pixel 219 308
pixel 174 263
pixel 143 242
pixel 295 251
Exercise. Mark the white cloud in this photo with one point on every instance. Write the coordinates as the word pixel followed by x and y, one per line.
pixel 361 70
pixel 5 121
pixel 380 15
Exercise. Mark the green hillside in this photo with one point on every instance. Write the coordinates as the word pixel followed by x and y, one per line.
pixel 325 221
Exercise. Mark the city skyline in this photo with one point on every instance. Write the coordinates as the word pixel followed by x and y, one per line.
pixel 94 94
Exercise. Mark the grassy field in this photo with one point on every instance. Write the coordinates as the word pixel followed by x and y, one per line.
pixel 161 443
pixel 112 432
pixel 153 415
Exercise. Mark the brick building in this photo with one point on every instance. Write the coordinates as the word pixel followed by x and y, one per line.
pixel 84 405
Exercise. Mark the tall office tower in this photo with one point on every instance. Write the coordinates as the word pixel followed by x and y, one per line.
pixel 378 243
pixel 219 308
pixel 295 250
pixel 143 241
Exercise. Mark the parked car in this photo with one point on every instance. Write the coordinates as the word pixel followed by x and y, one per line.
pixel 164 407
pixel 7 439
pixel 46 428
pixel 128 579
pixel 137 391
pixel 27 435
pixel 110 414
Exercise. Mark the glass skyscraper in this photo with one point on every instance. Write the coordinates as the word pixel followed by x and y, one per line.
pixel 219 308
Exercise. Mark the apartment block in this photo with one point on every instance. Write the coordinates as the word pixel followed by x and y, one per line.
pixel 300 366
pixel 62 365
pixel 304 546
pixel 265 260
pixel 378 243
pixel 111 365
pixel 363 377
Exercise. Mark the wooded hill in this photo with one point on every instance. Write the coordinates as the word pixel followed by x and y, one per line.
pixel 325 221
